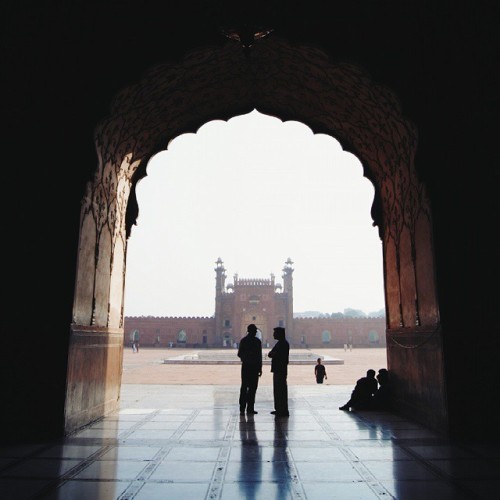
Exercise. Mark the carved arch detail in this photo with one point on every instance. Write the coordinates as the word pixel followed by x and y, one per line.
pixel 278 79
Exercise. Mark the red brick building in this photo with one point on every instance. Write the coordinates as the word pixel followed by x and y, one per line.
pixel 263 302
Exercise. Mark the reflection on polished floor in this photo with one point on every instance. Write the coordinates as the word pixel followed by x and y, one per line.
pixel 190 442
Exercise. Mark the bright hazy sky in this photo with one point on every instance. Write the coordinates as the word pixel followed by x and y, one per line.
pixel 253 191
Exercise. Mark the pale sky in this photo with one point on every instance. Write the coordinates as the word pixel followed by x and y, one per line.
pixel 253 191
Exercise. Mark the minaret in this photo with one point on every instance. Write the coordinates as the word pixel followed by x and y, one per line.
pixel 220 283
pixel 220 277
pixel 288 290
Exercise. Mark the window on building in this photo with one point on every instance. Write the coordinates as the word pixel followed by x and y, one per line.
pixel 227 323
pixel 182 337
pixel 281 322
pixel 326 337
pixel 373 337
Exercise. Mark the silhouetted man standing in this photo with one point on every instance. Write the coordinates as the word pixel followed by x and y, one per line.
pixel 250 353
pixel 279 367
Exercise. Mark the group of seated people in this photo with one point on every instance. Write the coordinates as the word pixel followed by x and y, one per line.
pixel 370 392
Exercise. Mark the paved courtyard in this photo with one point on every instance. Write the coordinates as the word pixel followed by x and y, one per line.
pixel 178 434
pixel 147 367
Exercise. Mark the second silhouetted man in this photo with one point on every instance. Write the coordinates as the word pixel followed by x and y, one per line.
pixel 250 353
pixel 279 367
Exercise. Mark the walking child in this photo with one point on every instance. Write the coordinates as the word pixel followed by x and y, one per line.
pixel 320 372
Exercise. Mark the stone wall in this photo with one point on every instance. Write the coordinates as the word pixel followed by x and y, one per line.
pixel 308 332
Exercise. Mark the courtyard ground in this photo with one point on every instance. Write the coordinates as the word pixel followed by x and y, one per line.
pixel 147 367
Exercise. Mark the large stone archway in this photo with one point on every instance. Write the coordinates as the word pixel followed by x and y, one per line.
pixel 289 82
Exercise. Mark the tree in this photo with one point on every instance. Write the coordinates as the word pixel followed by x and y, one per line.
pixel 354 313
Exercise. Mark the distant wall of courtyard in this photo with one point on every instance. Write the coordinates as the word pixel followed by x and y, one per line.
pixel 307 332
pixel 335 332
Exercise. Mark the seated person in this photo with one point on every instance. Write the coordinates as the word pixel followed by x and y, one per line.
pixel 361 396
pixel 382 398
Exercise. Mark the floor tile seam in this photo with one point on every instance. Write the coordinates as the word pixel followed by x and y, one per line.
pixel 94 441
pixel 153 464
pixel 99 453
pixel 142 482
pixel 176 435
pixel 70 475
pixel 370 424
pixel 217 483
pixel 132 490
pixel 325 425
pixel 86 480
pixel 230 429
pixel 366 475
pixel 145 475
pixel 81 463
pixel 136 484
pixel 292 480
pixel 19 460
pixel 214 491
pixel 127 432
pixel 295 484
pixel 283 442
pixel 164 442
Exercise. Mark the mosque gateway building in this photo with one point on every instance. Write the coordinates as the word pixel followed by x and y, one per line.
pixel 265 302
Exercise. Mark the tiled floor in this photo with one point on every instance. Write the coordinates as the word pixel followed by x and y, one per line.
pixel 190 442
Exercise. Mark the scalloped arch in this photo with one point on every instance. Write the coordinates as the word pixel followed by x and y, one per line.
pixel 278 79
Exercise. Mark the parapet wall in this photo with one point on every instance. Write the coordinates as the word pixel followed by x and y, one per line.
pixel 308 332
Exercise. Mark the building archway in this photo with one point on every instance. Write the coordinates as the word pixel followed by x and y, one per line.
pixel 182 337
pixel 326 337
pixel 373 337
pixel 291 83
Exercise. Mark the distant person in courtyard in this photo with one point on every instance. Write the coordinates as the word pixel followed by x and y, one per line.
pixel 320 371
pixel 279 355
pixel 362 395
pixel 382 398
pixel 250 353
pixel 135 341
